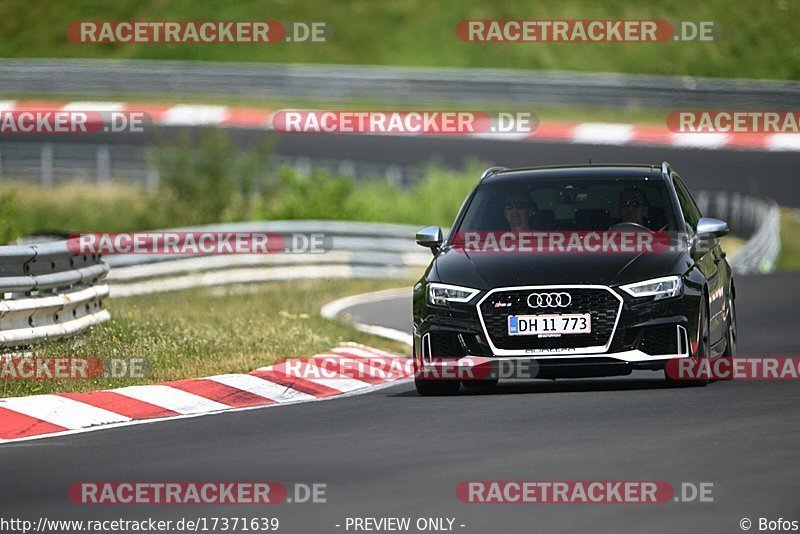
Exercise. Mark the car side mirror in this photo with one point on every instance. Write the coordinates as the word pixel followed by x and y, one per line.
pixel 708 228
pixel 430 237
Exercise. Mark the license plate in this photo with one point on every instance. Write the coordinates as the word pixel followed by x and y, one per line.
pixel 534 325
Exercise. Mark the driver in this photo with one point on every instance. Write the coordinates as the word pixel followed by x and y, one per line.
pixel 518 212
pixel 633 206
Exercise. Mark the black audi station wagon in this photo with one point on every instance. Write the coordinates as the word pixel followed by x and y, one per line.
pixel 528 273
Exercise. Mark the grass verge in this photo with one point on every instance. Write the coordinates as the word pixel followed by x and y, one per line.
pixel 28 208
pixel 202 332
pixel 789 259
pixel 753 38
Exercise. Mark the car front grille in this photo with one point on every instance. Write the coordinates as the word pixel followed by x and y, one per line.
pixel 600 303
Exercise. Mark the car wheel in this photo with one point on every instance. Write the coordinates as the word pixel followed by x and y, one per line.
pixel 730 334
pixel 436 388
pixel 730 345
pixel 702 353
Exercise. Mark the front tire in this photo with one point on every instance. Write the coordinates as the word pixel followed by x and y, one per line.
pixel 730 345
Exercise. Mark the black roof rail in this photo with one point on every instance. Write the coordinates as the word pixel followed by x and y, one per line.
pixel 666 170
pixel 492 170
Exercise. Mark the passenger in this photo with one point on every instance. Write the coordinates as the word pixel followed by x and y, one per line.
pixel 518 212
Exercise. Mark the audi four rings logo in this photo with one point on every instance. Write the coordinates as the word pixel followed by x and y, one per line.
pixel 549 300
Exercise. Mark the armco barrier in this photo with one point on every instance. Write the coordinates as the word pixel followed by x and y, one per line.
pixel 340 83
pixel 357 250
pixel 49 292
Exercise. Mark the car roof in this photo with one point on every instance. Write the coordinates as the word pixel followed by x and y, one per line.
pixel 574 171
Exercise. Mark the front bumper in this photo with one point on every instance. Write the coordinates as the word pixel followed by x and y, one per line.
pixel 646 335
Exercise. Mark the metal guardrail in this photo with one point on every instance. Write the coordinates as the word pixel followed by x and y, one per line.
pixel 49 292
pixel 357 250
pixel 756 218
pixel 338 83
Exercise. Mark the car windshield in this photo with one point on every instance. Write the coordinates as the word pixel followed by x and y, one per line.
pixel 566 204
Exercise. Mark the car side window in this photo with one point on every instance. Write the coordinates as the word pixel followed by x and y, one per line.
pixel 691 213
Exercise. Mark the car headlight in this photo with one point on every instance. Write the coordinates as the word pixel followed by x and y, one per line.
pixel 660 288
pixel 441 294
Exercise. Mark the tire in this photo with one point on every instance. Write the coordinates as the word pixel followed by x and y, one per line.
pixel 703 350
pixel 475 384
pixel 730 334
pixel 436 388
pixel 730 345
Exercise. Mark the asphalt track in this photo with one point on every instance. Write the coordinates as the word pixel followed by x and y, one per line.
pixel 392 453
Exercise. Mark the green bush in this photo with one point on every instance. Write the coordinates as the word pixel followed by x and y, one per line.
pixel 212 182
pixel 9 216
pixel 208 179
pixel 435 199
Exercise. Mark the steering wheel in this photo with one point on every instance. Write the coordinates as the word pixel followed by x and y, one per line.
pixel 631 226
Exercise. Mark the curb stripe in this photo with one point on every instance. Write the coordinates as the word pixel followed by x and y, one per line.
pixel 309 371
pixel 248 117
pixel 192 115
pixel 19 425
pixel 366 373
pixel 591 133
pixel 114 402
pixel 264 388
pixel 601 133
pixel 37 416
pixel 651 135
pixel 382 367
pixel 358 351
pixel 157 112
pixel 221 393
pixel 302 385
pixel 785 142
pixel 62 411
pixel 171 398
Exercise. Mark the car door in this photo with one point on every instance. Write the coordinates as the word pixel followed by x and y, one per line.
pixel 708 257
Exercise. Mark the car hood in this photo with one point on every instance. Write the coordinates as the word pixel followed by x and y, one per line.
pixel 488 270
